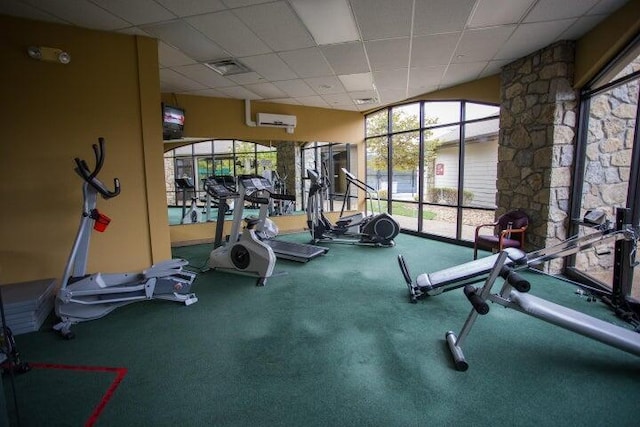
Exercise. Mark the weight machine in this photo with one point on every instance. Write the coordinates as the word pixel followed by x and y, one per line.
pixel 513 293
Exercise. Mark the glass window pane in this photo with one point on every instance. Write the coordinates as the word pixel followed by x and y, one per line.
pixel 439 220
pixel 441 113
pixel 184 150
pixel 203 147
pixel 223 146
pixel 610 136
pixel 405 117
pixel 441 153
pixel 377 162
pixel 404 179
pixel 377 123
pixel 475 111
pixel 480 164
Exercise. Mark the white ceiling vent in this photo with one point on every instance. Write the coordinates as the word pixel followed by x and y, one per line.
pixel 228 67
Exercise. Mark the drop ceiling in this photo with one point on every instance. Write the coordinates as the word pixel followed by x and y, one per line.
pixel 342 54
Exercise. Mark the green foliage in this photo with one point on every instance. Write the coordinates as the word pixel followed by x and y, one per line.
pixel 448 195
pixel 405 145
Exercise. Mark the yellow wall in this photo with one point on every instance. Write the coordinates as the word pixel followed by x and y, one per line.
pixel 53 113
pixel 596 48
pixel 224 118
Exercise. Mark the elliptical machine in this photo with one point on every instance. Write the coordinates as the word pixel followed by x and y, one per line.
pixel 83 296
pixel 244 253
pixel 191 216
pixel 358 229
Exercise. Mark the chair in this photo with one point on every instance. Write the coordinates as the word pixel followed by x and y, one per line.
pixel 508 232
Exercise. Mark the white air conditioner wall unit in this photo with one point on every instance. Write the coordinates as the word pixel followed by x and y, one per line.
pixel 276 120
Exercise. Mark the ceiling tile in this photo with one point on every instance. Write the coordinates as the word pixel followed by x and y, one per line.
pixel 354 82
pixel 186 38
pixel 285 101
pixel 581 26
pixel 295 88
pixel 270 67
pixel 277 25
pixel 23 10
pixel 243 3
pixel 551 10
pixel 325 85
pixel 499 12
pixel 266 90
pixel 387 54
pixel 527 38
pixel 391 79
pixel 481 44
pixel 238 92
pixel 246 78
pixel 81 13
pixel 204 75
pixel 494 67
pixel 177 81
pixel 192 7
pixel 460 73
pixel 380 19
pixel 313 101
pixel 606 6
pixel 137 12
pixel 388 96
pixel 209 92
pixel 433 50
pixel 424 78
pixel 229 33
pixel 315 15
pixel 441 16
pixel 308 62
pixel 346 58
pixel 169 56
pixel 338 99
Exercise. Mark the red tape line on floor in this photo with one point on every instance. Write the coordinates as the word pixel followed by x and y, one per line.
pixel 120 374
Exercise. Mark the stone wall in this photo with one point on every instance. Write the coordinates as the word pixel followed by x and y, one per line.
pixel 536 143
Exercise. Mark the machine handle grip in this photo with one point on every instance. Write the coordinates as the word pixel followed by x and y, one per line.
pixel 289 197
pixel 479 305
pixel 82 169
pixel 515 279
pixel 256 199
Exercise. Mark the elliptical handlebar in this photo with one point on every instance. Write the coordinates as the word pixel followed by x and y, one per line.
pixel 82 169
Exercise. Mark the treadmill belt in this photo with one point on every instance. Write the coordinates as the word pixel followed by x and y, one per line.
pixel 298 252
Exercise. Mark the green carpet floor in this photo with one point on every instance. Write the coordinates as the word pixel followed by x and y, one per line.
pixel 334 342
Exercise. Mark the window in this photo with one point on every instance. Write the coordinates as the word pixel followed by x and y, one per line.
pixel 606 173
pixel 434 164
pixel 200 160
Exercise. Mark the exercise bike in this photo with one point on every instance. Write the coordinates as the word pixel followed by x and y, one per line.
pixel 83 296
pixel 243 253
pixel 358 229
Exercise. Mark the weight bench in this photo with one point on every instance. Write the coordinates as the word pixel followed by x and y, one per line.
pixel 514 295
pixel 429 284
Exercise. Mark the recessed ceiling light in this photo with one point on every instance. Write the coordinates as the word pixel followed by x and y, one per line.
pixel 227 67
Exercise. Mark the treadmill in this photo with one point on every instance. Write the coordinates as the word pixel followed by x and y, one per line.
pixel 298 252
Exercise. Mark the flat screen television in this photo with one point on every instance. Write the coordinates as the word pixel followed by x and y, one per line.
pixel 172 122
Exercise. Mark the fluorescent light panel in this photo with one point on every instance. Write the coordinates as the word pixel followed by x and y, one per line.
pixel 328 21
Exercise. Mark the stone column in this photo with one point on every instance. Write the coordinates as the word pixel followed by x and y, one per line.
pixel 289 160
pixel 537 138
